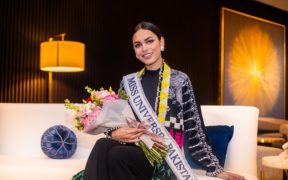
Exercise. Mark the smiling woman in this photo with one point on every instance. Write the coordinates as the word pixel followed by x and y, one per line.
pixel 171 111
pixel 148 46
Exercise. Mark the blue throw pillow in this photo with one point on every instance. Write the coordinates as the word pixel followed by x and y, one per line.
pixel 59 142
pixel 219 138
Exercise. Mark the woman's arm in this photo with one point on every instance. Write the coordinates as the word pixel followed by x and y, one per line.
pixel 200 151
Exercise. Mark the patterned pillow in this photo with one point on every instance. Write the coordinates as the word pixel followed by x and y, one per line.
pixel 59 142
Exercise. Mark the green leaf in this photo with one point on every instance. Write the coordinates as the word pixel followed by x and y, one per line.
pixel 122 94
pixel 84 101
pixel 88 89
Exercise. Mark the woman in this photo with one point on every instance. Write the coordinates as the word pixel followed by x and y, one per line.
pixel 170 94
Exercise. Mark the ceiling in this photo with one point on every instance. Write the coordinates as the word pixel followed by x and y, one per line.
pixel 281 4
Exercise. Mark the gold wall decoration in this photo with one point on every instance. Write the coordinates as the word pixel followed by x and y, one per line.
pixel 252 63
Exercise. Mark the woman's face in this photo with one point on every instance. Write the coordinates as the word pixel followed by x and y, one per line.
pixel 147 48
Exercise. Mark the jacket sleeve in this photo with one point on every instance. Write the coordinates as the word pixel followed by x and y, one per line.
pixel 200 151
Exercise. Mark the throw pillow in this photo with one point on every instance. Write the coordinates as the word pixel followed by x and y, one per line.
pixel 59 142
pixel 219 138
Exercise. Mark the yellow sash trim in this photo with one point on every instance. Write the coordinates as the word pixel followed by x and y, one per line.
pixel 140 73
pixel 164 92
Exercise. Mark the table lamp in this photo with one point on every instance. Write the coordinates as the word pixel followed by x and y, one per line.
pixel 61 56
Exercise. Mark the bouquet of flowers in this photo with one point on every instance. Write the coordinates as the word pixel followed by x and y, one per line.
pixel 105 109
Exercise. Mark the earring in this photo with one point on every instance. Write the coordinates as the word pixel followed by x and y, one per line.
pixel 162 48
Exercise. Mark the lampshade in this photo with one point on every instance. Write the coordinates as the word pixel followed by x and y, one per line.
pixel 62 56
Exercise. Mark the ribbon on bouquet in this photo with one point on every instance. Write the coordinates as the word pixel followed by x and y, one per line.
pixel 144 111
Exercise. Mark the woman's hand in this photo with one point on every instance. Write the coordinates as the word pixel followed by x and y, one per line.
pixel 127 134
pixel 230 176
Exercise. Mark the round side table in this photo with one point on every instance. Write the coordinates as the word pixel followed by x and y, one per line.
pixel 264 139
pixel 276 162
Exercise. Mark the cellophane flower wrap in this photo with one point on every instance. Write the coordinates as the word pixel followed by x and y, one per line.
pixel 105 109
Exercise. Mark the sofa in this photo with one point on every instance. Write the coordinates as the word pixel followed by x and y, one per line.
pixel 22 125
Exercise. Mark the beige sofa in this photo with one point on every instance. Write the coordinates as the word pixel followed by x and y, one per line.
pixel 22 125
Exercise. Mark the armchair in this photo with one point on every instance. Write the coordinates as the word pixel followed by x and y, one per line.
pixel 241 154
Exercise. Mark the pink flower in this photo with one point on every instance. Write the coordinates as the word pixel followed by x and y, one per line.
pixel 91 117
pixel 111 97
pixel 81 114
pixel 88 111
pixel 102 94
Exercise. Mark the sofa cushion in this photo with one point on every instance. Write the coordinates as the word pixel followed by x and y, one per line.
pixel 59 142
pixel 219 137
pixel 39 168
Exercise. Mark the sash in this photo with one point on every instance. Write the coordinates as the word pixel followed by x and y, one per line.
pixel 175 159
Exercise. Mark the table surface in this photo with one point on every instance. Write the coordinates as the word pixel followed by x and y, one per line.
pixel 275 162
pixel 262 139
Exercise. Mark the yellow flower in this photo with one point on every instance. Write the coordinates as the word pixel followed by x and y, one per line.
pixel 165 74
pixel 163 96
pixel 162 108
pixel 161 119
pixel 165 84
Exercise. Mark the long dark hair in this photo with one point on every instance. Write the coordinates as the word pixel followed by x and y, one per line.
pixel 148 26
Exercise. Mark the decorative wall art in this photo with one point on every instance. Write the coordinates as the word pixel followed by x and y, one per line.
pixel 253 63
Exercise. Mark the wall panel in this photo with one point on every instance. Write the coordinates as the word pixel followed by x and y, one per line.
pixel 25 26
pixel 190 28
